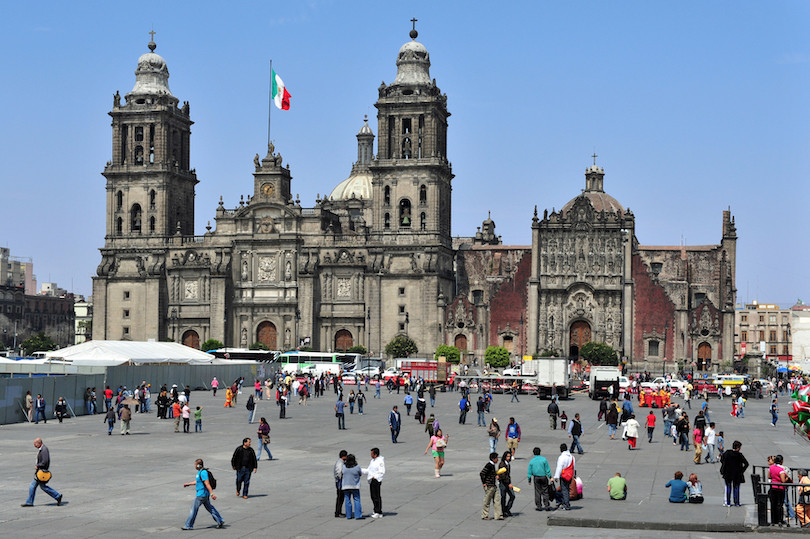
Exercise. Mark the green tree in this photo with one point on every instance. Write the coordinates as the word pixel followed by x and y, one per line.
pixel 599 353
pixel 496 356
pixel 211 344
pixel 401 346
pixel 358 349
pixel 451 353
pixel 549 352
pixel 37 343
pixel 258 346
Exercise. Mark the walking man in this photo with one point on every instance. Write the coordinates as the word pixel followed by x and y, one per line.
pixel 338 473
pixel 480 407
pixel 491 492
pixel 42 475
pixel 202 482
pixel 574 432
pixel 375 472
pixel 650 424
pixel 126 417
pixel 340 413
pixel 710 437
pixel 512 436
pixel 515 392
pixel 565 474
pixel 463 406
pixel 394 423
pixel 39 406
pixel 553 412
pixel 540 470
pixel 244 462
pixel 774 412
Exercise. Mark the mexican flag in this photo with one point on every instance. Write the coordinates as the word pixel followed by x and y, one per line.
pixel 280 95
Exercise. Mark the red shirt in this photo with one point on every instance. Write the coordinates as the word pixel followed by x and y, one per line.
pixel 108 393
pixel 176 409
pixel 651 420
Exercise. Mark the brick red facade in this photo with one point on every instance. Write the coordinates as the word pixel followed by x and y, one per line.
pixel 654 311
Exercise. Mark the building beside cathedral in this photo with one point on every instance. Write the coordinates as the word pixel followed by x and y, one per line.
pixel 375 259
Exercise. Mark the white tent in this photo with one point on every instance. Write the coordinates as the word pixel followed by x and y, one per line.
pixel 112 353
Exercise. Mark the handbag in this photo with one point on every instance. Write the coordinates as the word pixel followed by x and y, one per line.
pixel 43 476
pixel 568 473
pixel 441 443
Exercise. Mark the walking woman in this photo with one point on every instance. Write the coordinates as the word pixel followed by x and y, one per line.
pixel 505 483
pixel 612 420
pixel 264 439
pixel 437 444
pixel 494 432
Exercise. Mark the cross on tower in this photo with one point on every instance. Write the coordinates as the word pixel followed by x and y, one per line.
pixel 414 22
pixel 152 35
pixel 594 158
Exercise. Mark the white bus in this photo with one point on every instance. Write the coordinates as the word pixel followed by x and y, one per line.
pixel 315 363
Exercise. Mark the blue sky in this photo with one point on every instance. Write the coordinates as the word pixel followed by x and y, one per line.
pixel 692 107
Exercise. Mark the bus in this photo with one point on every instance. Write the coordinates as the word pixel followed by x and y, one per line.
pixel 732 380
pixel 244 353
pixel 316 363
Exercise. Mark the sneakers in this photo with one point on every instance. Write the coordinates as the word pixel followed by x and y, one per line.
pixel 221 524
pixel 27 505
pixel 726 504
pixel 376 515
pixel 59 500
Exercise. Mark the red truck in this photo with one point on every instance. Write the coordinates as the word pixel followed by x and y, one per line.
pixel 429 370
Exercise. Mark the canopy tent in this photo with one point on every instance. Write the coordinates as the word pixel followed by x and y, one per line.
pixel 112 353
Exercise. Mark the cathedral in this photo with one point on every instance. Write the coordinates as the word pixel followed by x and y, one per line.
pixel 375 258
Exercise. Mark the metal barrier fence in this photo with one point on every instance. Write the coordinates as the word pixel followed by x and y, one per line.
pixel 796 505
pixel 73 386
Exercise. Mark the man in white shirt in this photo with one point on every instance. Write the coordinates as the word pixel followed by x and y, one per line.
pixel 564 461
pixel 710 437
pixel 375 472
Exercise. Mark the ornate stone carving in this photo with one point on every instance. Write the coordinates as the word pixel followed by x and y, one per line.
pixel 266 225
pixel 267 268
pixel 191 290
pixel 344 288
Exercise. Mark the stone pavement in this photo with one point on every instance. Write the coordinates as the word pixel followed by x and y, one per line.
pixel 132 485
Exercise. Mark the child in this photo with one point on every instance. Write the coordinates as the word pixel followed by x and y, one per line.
pixel 198 419
pixel 563 420
pixel 720 444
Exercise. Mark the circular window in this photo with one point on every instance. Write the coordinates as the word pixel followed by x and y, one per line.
pixel 704 332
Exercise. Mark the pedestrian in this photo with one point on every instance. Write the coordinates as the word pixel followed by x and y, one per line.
pixel 60 410
pixel 515 392
pixel 338 474
pixel 437 444
pixel 377 388
pixel 250 405
pixel 679 490
pixel 432 394
pixel 682 428
pixel 109 418
pixel 29 406
pixel 733 472
pixel 612 420
pixel 375 473
pixel 540 470
pixel 108 395
pixel 650 424
pixel 214 385
pixel 776 493
pixel 617 487
pixel 350 484
pixel 553 411
pixel 512 436
pixel 177 414
pixel 494 432
pixel 563 420
pixel 42 475
pixel 774 412
pixel 429 425
pixel 463 407
pixel 263 435
pixel 394 424
pixel 126 417
pixel 603 408
pixel 421 406
pixel 228 398
pixel 710 439
pixel 340 414
pixel 282 403
pixel 721 444
pixel 632 427
pixel 257 389
pixel 186 413
pixel 244 463
pixel 361 400
pixel 505 484
pixel 39 407
pixel 352 398
pixel 491 493
pixel 575 431
pixel 204 495
pixel 564 473
pixel 408 401
pixel 198 419
pixel 697 438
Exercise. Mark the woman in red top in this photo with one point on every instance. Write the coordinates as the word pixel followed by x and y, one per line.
pixel 650 424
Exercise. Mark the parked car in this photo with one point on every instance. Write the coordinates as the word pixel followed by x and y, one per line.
pixel 348 378
pixel 368 371
pixel 661 382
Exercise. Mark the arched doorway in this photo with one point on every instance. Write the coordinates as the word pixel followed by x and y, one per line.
pixel 267 334
pixel 191 339
pixel 460 342
pixel 579 335
pixel 704 356
pixel 343 340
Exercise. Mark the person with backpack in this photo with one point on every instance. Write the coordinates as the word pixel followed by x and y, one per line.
pixel 205 484
pixel 464 407
pixel 574 432
pixel 251 408
pixel 553 411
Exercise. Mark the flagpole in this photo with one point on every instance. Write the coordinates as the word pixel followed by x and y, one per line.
pixel 270 103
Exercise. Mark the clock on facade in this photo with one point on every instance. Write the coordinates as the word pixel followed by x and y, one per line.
pixel 268 189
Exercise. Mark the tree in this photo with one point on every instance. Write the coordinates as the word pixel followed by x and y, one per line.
pixel 36 343
pixel 451 353
pixel 496 356
pixel 549 352
pixel 211 344
pixel 258 346
pixel 599 353
pixel 358 349
pixel 401 346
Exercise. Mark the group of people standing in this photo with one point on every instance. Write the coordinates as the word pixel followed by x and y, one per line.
pixel 348 475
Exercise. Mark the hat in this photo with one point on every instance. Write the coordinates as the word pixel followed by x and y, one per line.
pixel 174 385
pixel 495 419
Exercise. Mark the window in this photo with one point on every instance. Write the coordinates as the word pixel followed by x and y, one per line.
pixel 401 290
pixel 653 349
pixel 405 213
pixel 656 267
pixel 423 221
pixel 151 143
pixel 761 318
pixel 699 297
pixel 772 349
pixel 152 199
pixel 126 331
pixel 423 195
pixel 772 319
pixel 401 309
pixel 478 297
pixel 387 221
pixel 139 155
pixel 785 350
pixel 124 131
pixel 135 215
pixel 126 313
pixel 744 318
pixel 744 336
pixel 406 138
pixel 785 335
pixel 119 200
pixel 387 195
pixel 772 336
pixel 138 134
pixel 762 335
pixel 119 226
pixel 126 294
pixel 401 326
pixel 152 222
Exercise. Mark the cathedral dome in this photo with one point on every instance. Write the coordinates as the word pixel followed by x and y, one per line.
pixel 413 64
pixel 595 193
pixel 355 186
pixel 152 74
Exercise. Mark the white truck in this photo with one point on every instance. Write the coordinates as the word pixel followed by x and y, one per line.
pixel 553 376
pixel 602 379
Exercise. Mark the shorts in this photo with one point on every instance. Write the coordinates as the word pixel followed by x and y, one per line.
pixel 511 443
pixel 438 454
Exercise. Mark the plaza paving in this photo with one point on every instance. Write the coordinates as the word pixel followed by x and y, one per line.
pixel 131 486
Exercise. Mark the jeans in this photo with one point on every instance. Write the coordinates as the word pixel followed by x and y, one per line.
pixel 432 401
pixel 263 447
pixel 351 407
pixel 107 404
pixel 341 421
pixel 774 418
pixel 506 494
pixel 611 430
pixel 250 415
pixel 668 428
pixel 684 438
pixel 376 496
pixel 40 412
pixel 650 431
pixel 205 501
pixel 709 452
pixel 198 425
pixel 341 498
pixel 514 397
pixel 32 490
pixel 243 477
pixel 358 509
pixel 565 493
pixel 481 419
pixel 493 443
pixel 575 444
pixel 110 423
pixel 462 418
pixel 377 393
pixel 360 407
pixel 394 434
pixel 740 411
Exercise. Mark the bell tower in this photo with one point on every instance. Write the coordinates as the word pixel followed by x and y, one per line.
pixel 411 175
pixel 150 187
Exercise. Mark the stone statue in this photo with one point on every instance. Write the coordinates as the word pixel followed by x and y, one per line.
pixel 117 99
pixel 256 162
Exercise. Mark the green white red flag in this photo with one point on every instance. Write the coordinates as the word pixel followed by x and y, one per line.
pixel 281 97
